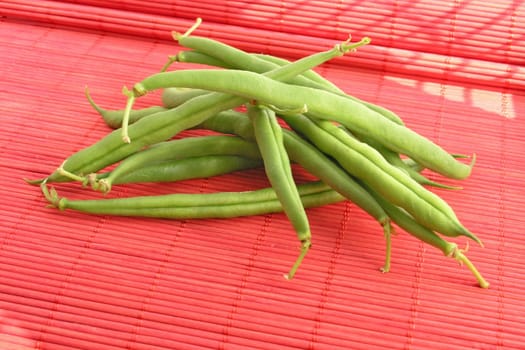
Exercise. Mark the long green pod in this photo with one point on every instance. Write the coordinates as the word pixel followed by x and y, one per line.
pixel 394 159
pixel 311 75
pixel 174 97
pixel 321 104
pixel 292 70
pixel 113 118
pixel 216 53
pixel 164 125
pixel 269 138
pixel 195 167
pixel 178 149
pixel 191 56
pixel 149 130
pixel 407 223
pixel 372 154
pixel 366 164
pixel 316 81
pixel 195 205
pixel 171 98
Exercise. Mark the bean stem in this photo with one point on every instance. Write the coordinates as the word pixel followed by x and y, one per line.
pixel 305 247
pixel 125 119
pixel 464 260
pixel 388 250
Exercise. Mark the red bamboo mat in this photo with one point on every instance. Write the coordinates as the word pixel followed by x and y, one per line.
pixel 75 281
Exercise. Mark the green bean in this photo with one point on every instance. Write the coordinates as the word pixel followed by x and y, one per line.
pixel 394 159
pixel 419 168
pixel 194 57
pixel 318 82
pixel 269 137
pixel 310 74
pixel 300 66
pixel 407 223
pixel 321 104
pixel 306 155
pixel 174 97
pixel 218 54
pixel 178 149
pixel 113 118
pixel 164 125
pixel 171 98
pixel 195 205
pixel 313 161
pixel 366 164
pixel 195 167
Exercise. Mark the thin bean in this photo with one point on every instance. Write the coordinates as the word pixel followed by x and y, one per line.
pixel 174 97
pixel 366 164
pixel 113 118
pixel 315 162
pixel 321 104
pixel 269 137
pixel 195 205
pixel 301 66
pixel 164 125
pixel 196 57
pixel 178 149
pixel 407 223
pixel 186 168
pixel 308 156
pixel 394 159
pixel 219 54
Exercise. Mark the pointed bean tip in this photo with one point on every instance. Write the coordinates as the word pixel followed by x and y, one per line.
pixel 484 284
pixel 472 161
pixel 34 182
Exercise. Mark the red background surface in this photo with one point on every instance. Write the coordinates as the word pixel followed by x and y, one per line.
pixel 453 70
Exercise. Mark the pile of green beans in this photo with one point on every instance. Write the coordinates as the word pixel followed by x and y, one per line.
pixel 266 113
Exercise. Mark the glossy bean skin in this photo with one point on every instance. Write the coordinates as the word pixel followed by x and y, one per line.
pixel 178 149
pixel 164 125
pixel 366 164
pixel 269 138
pixel 321 104
pixel 196 167
pixel 196 205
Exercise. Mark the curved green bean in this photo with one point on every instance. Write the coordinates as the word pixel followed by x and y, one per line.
pixel 177 149
pixel 269 138
pixel 366 164
pixel 164 125
pixel 195 205
pixel 113 118
pixel 216 53
pixel 195 167
pixel 321 104
pixel 407 223
pixel 313 161
pixel 174 97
